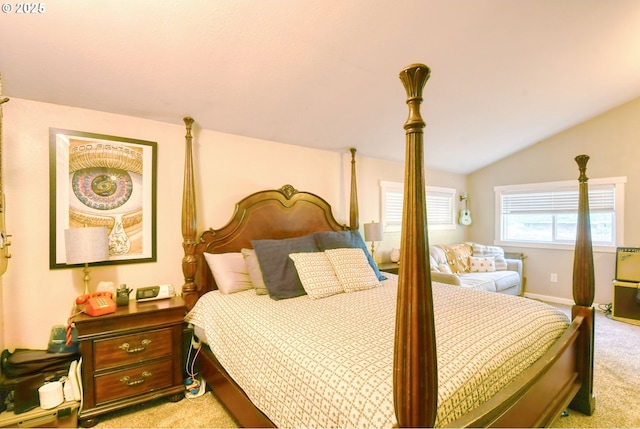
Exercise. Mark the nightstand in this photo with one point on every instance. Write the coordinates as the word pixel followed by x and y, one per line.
pixel 130 356
pixel 389 267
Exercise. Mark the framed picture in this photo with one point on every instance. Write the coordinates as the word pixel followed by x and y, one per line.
pixel 100 180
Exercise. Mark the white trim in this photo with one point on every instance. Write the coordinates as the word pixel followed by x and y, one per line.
pixel 541 185
pixel 553 299
pixel 619 211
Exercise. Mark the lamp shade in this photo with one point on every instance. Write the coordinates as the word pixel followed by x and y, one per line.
pixel 373 231
pixel 85 245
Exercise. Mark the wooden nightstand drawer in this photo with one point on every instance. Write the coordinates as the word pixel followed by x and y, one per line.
pixel 127 349
pixel 133 381
pixel 131 356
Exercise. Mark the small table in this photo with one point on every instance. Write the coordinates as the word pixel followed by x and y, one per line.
pixel 389 267
pixel 130 356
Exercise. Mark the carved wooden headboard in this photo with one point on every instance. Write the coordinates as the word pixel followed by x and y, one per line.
pixel 271 214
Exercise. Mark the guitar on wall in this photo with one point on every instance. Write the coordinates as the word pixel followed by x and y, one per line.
pixel 4 238
pixel 465 213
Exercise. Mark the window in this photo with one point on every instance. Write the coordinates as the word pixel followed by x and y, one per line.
pixel 546 214
pixel 441 208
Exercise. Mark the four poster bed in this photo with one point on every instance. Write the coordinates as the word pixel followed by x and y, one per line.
pixel 342 378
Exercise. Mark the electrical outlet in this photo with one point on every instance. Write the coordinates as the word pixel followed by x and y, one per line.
pixel 554 278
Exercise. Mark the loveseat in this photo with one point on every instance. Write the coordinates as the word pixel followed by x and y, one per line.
pixel 476 266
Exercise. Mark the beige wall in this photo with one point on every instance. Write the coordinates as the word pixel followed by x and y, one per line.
pixel 612 140
pixel 34 298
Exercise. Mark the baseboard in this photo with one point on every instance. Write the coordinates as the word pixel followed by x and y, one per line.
pixel 554 299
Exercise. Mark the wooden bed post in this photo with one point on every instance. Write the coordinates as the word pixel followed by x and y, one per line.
pixel 415 374
pixel 354 223
pixel 189 222
pixel 583 294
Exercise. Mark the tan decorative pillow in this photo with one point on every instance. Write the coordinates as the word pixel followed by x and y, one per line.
pixel 486 264
pixel 352 269
pixel 316 274
pixel 457 256
pixel 255 274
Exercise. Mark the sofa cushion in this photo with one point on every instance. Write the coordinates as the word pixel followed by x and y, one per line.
pixel 477 281
pixel 495 251
pixel 436 256
pixel 483 264
pixel 505 279
pixel 496 281
pixel 457 256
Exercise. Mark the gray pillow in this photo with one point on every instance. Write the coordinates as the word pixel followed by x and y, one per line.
pixel 327 240
pixel 278 270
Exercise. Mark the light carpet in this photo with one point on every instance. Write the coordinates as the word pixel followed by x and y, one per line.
pixel 616 379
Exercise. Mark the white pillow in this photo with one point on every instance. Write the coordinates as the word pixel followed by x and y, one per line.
pixel 230 271
pixel 486 264
pixel 352 269
pixel 445 268
pixel 316 274
pixel 497 252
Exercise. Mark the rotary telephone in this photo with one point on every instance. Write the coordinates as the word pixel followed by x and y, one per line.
pixel 97 303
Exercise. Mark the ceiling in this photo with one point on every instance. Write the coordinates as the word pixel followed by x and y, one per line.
pixel 505 74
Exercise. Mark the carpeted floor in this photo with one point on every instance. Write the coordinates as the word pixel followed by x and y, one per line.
pixel 616 383
pixel 616 379
pixel 202 412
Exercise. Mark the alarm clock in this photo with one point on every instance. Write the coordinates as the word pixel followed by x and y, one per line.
pixel 151 293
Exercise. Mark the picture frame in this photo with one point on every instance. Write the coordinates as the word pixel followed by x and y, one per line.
pixel 102 180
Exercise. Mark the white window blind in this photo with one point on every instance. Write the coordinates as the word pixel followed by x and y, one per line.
pixel 546 214
pixel 440 206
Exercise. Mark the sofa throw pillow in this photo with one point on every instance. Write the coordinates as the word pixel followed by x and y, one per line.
pixel 255 274
pixel 352 269
pixel 229 271
pixel 457 256
pixel 278 271
pixel 316 274
pixel 495 251
pixel 444 268
pixel 485 264
pixel 345 239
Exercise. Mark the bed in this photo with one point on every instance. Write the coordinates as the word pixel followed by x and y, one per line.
pixel 416 385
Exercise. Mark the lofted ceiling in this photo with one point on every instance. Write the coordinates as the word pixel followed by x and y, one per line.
pixel 505 74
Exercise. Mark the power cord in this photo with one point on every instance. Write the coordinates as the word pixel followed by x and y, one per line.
pixel 194 386
pixel 606 309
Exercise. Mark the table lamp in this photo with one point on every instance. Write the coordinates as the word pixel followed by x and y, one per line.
pixel 86 245
pixel 373 233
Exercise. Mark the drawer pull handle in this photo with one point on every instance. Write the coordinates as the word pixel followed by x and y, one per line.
pixel 127 380
pixel 125 347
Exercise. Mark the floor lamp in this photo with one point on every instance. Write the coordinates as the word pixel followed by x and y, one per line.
pixel 84 246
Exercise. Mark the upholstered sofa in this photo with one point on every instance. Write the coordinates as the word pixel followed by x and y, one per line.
pixel 476 266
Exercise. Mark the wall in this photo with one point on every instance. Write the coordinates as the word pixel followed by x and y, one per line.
pixel 2 342
pixel 612 140
pixel 228 167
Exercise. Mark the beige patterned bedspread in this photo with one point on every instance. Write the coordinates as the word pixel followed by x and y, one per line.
pixel 328 362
